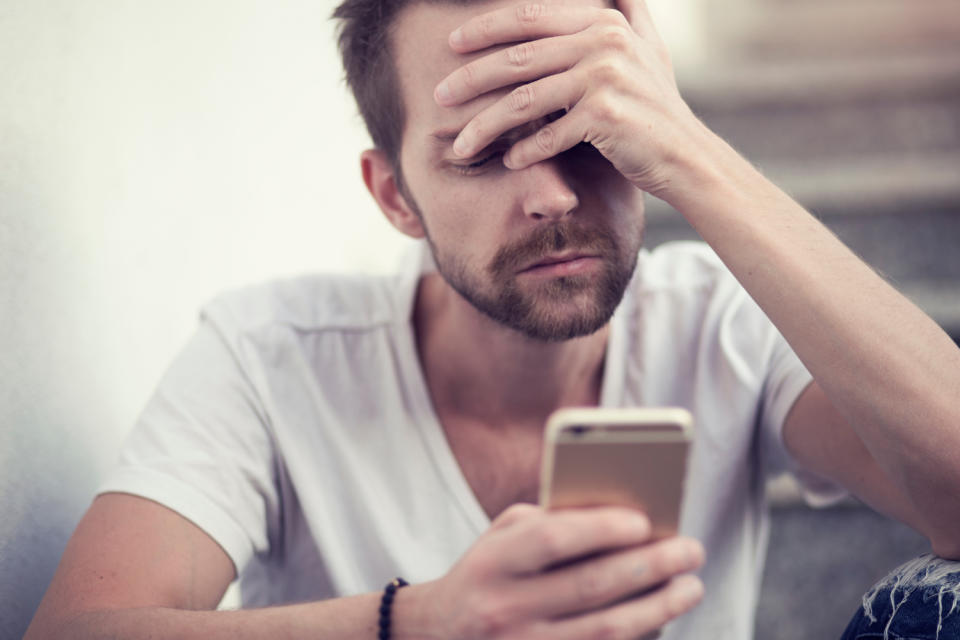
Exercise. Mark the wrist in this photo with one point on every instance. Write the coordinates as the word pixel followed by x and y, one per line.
pixel 411 615
pixel 702 170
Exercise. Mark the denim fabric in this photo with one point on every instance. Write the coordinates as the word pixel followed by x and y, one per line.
pixel 919 600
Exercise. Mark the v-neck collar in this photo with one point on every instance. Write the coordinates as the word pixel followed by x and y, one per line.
pixel 448 470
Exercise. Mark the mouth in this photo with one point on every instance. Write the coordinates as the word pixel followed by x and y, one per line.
pixel 562 264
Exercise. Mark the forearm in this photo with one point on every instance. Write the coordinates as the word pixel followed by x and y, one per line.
pixel 884 364
pixel 347 618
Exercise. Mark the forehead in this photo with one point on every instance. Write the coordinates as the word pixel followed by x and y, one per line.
pixel 423 58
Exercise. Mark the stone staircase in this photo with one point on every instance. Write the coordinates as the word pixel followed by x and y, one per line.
pixel 853 107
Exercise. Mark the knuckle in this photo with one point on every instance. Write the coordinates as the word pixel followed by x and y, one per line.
pixel 486 25
pixel 517 510
pixel 521 55
pixel 520 99
pixel 608 70
pixel 593 586
pixel 528 14
pixel 476 129
pixel 614 17
pixel 546 139
pixel 489 619
pixel 469 75
pixel 605 111
pixel 616 37
pixel 483 565
pixel 550 543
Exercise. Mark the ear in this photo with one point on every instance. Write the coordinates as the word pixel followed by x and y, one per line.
pixel 380 178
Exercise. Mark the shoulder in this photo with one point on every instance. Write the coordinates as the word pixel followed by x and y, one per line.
pixel 684 269
pixel 320 302
pixel 683 290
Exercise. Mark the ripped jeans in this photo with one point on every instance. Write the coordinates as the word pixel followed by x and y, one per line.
pixel 919 600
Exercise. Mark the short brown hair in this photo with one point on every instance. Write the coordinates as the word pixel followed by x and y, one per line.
pixel 364 37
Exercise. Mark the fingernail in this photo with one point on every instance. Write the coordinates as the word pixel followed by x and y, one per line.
pixel 456 38
pixel 696 554
pixel 690 591
pixel 641 523
pixel 442 93
pixel 460 147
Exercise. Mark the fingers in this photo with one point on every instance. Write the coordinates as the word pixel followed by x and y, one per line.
pixel 577 573
pixel 564 52
pixel 540 52
pixel 513 65
pixel 549 140
pixel 542 540
pixel 598 582
pixel 634 618
pixel 592 584
pixel 521 23
pixel 527 103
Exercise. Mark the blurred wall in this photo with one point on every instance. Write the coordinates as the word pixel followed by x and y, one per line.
pixel 151 154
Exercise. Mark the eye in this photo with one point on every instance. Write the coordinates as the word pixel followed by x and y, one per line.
pixel 586 157
pixel 489 160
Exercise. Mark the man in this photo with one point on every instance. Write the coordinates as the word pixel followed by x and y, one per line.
pixel 320 436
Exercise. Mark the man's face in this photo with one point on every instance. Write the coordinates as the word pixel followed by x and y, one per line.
pixel 547 250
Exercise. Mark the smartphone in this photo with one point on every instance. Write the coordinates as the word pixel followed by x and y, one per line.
pixel 630 457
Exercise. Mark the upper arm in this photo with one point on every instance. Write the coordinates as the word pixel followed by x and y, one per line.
pixel 129 552
pixel 822 441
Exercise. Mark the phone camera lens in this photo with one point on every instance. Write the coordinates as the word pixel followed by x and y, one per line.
pixel 578 430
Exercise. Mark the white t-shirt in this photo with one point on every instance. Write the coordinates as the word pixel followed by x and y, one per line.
pixel 296 429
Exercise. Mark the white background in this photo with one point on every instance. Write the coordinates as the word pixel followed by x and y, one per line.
pixel 153 153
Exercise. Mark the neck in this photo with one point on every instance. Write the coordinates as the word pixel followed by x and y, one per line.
pixel 481 371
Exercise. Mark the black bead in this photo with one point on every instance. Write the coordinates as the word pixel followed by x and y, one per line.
pixel 385 605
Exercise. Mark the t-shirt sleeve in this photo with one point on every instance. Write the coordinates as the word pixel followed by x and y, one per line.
pixel 786 379
pixel 202 447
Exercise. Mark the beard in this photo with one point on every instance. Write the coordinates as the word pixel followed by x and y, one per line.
pixel 559 308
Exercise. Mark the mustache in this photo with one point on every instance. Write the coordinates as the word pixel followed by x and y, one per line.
pixel 543 241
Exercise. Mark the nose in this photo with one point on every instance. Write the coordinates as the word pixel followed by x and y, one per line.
pixel 548 194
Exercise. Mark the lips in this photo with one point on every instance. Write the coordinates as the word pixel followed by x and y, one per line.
pixel 567 258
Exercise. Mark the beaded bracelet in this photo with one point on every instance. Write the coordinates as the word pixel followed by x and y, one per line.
pixel 386 602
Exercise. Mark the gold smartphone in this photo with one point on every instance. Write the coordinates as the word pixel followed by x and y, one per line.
pixel 629 457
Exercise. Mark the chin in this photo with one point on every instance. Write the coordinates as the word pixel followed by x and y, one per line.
pixel 563 313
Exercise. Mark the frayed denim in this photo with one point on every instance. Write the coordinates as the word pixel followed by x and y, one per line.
pixel 919 600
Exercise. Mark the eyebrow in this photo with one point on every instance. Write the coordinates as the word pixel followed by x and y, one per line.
pixel 444 136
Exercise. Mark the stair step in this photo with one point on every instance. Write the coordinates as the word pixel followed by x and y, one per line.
pixel 826 28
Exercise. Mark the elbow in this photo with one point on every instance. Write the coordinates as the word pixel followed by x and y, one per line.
pixel 946 547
